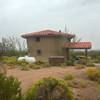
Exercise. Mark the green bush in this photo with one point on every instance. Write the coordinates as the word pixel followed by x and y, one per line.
pixel 83 84
pixel 80 66
pixel 2 58
pixel 46 64
pixel 90 64
pixel 9 88
pixel 22 62
pixel 39 62
pixel 26 68
pixel 96 61
pixel 9 60
pixel 33 66
pixel 69 76
pixel 82 62
pixel 93 74
pixel 63 64
pixel 70 62
pixel 42 63
pixel 49 89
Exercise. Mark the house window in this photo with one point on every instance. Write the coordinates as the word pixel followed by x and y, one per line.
pixel 38 39
pixel 38 52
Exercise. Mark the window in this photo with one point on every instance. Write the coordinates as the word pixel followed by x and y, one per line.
pixel 38 39
pixel 38 52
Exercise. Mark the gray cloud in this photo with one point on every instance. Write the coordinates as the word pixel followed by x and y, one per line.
pixel 80 16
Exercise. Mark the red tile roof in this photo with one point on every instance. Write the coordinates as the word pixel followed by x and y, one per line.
pixel 44 33
pixel 79 45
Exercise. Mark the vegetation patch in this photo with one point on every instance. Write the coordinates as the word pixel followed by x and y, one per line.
pixel 93 74
pixel 69 76
pixel 76 83
pixel 33 66
pixel 62 65
pixel 9 60
pixel 69 62
pixel 78 66
pixel 96 61
pixel 90 64
pixel 42 63
pixel 82 62
pixel 22 62
pixel 49 89
pixel 9 88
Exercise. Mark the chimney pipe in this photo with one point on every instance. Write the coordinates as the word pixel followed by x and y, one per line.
pixel 59 31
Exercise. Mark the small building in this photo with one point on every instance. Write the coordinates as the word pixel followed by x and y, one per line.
pixel 46 43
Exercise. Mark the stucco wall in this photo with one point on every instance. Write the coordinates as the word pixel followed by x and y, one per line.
pixel 49 46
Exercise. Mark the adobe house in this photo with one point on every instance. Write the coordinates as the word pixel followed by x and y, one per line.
pixel 48 43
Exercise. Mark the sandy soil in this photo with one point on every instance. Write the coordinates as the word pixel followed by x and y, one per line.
pixel 29 77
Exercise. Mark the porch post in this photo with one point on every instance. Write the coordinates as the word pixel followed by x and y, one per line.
pixel 86 54
pixel 67 50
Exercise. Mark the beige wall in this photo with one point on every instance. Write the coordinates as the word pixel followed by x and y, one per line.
pixel 49 46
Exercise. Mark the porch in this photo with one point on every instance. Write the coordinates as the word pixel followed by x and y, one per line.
pixel 78 45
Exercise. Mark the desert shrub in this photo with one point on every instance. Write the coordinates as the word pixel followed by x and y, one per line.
pixel 39 62
pixel 9 60
pixel 26 68
pixel 83 84
pixel 33 66
pixel 96 61
pixel 75 83
pixel 46 64
pixel 69 76
pixel 49 89
pixel 42 63
pixel 63 64
pixel 82 62
pixel 90 64
pixel 3 58
pixel 78 66
pixel 22 62
pixel 70 62
pixel 93 74
pixel 9 88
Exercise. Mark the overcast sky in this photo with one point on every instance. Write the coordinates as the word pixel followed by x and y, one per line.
pixel 82 17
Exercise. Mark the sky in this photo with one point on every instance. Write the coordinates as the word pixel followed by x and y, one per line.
pixel 81 17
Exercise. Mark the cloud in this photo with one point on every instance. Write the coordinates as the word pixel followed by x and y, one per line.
pixel 80 16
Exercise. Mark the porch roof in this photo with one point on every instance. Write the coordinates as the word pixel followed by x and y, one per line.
pixel 79 45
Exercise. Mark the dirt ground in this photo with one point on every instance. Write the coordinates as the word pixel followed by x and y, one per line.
pixel 27 78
